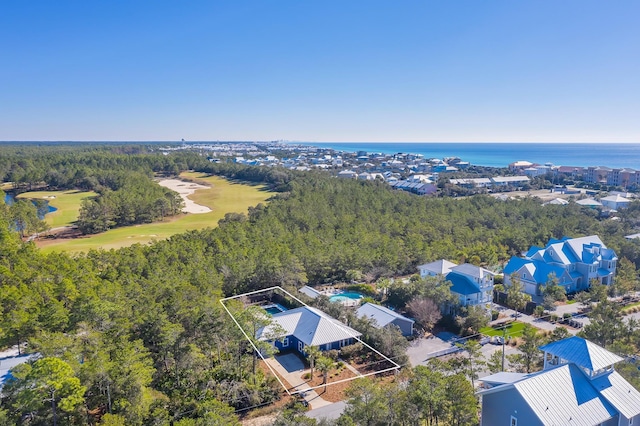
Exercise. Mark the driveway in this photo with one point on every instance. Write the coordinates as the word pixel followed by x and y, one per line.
pixel 291 369
pixel 290 362
pixel 420 349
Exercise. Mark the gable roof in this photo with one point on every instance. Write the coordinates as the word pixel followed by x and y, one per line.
pixel 582 353
pixel 380 315
pixel 442 267
pixel 624 397
pixel 310 291
pixel 564 395
pixel 462 284
pixel 471 270
pixel 538 269
pixel 588 202
pixel 311 326
pixel 616 199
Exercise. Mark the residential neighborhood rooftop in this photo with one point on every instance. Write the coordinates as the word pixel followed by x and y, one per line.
pixel 381 315
pixel 583 353
pixel 311 326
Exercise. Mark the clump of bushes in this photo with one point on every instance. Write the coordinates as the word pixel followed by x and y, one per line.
pixel 351 351
pixel 333 354
pixel 364 289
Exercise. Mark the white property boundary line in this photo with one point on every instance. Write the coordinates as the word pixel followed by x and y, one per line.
pixel 396 365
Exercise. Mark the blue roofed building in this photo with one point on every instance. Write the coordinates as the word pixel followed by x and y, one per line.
pixel 578 386
pixel 573 261
pixel 308 326
pixel 384 317
pixel 473 285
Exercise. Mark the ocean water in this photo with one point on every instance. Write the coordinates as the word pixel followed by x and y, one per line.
pixel 613 155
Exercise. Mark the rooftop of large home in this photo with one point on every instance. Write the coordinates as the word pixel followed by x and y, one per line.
pixel 309 325
pixel 380 315
pixel 472 271
pixel 565 392
pixel 582 352
pixel 441 267
pixel 572 250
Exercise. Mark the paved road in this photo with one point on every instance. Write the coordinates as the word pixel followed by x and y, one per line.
pixel 329 412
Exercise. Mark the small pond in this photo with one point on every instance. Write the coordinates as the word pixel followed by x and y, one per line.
pixel 46 207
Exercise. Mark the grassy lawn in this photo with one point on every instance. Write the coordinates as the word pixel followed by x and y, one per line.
pixel 514 329
pixel 631 305
pixel 221 197
pixel 67 203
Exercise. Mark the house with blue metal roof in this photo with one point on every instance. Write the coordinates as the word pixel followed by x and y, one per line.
pixel 384 317
pixel 574 262
pixel 472 284
pixel 578 386
pixel 308 326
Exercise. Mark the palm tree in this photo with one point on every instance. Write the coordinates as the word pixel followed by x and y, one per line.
pixel 325 364
pixel 312 355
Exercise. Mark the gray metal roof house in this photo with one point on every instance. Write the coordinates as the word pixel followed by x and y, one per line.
pixel 578 386
pixel 307 326
pixel 383 317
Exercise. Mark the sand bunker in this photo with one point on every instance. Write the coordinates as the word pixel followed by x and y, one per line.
pixel 185 189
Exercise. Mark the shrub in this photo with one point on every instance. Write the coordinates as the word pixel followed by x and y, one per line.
pixel 566 315
pixel 333 354
pixel 364 289
pixel 494 315
pixel 351 351
pixel 539 311
pixel 306 376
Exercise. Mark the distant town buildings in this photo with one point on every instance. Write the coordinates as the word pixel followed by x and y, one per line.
pixel 411 172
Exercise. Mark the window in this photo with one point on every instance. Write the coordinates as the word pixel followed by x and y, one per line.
pixel 285 342
pixel 631 421
pixel 514 421
pixel 524 275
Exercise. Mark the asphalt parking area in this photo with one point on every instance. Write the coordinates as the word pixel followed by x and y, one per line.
pixel 290 362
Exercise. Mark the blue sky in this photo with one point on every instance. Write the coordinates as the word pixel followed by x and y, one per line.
pixel 537 71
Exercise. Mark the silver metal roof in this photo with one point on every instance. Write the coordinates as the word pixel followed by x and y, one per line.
pixel 379 314
pixel 564 396
pixel 471 270
pixel 582 352
pixel 620 393
pixel 503 377
pixel 441 266
pixel 309 291
pixel 311 326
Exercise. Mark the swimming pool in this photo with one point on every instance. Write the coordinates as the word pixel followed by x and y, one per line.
pixel 274 308
pixel 347 297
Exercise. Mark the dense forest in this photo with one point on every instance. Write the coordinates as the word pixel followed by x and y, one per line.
pixel 137 335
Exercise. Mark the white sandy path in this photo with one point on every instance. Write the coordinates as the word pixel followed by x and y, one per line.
pixel 185 189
